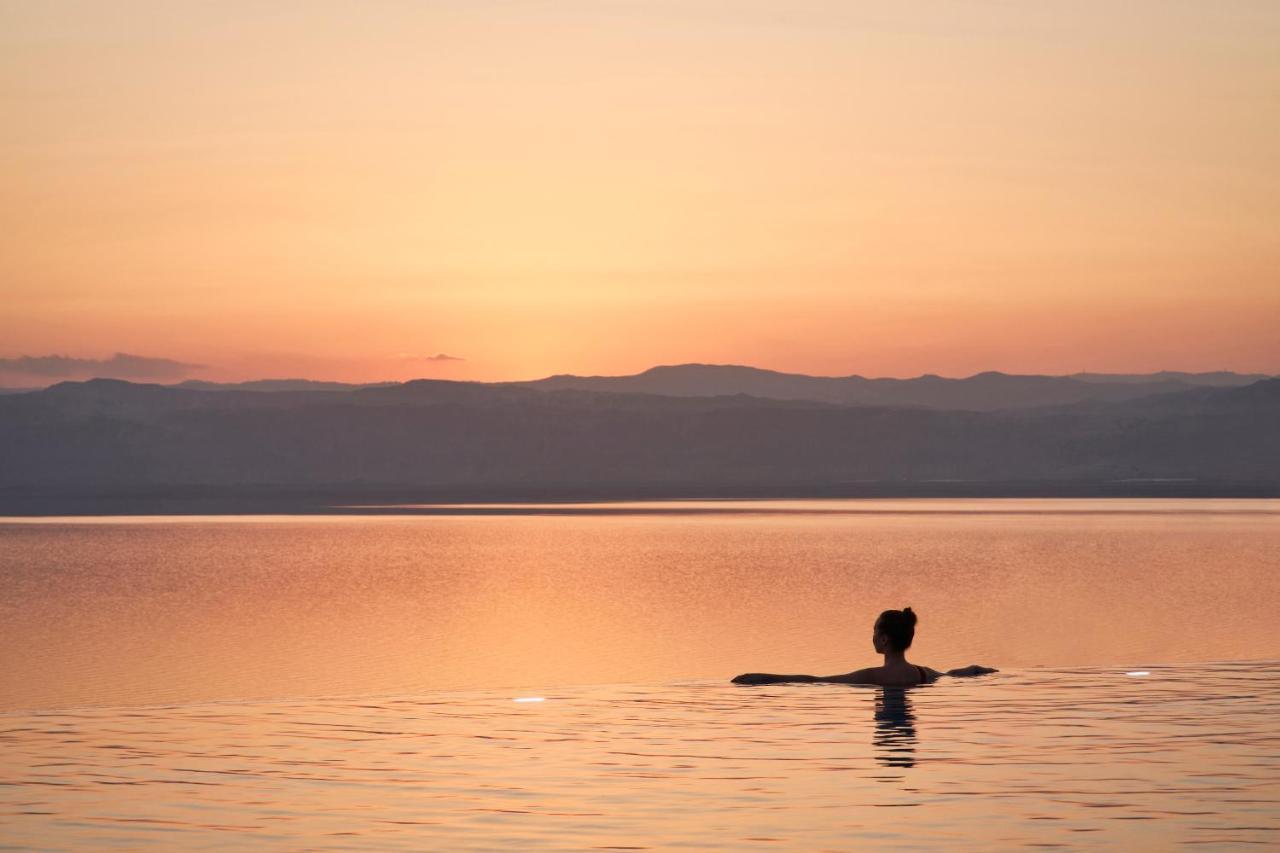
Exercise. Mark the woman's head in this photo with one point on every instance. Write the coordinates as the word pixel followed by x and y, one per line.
pixel 894 631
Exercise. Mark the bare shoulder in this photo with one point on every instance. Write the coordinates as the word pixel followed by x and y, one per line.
pixel 860 676
pixel 869 675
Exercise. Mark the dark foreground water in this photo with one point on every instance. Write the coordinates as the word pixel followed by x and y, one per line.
pixel 159 677
pixel 1080 757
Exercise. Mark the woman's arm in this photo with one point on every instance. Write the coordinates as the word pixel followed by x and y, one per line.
pixel 971 669
pixel 858 677
pixel 770 678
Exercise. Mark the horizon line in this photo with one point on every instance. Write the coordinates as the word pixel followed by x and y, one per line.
pixel 992 372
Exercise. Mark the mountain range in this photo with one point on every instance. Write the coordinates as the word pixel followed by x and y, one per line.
pixel 602 436
pixel 983 392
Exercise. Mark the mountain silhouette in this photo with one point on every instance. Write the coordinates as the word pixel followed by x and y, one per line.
pixel 982 392
pixel 107 437
pixel 277 385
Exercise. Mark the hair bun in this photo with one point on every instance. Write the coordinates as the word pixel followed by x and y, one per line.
pixel 898 628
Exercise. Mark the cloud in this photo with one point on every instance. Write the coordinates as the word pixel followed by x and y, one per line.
pixel 440 356
pixel 122 365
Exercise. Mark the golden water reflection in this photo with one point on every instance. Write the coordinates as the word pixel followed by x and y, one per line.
pixel 1185 756
pixel 120 611
pixel 895 730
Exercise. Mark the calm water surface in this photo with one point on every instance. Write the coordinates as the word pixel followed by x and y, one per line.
pixel 1083 757
pixel 133 611
pixel 159 677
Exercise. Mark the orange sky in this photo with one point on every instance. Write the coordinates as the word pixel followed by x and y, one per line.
pixel 334 190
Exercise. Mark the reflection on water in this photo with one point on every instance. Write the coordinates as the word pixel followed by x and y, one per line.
pixel 157 617
pixel 137 611
pixel 1081 757
pixel 895 734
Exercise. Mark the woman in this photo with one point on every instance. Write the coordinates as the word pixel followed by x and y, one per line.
pixel 892 636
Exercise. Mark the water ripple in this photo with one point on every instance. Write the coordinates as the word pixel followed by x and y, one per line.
pixel 1037 757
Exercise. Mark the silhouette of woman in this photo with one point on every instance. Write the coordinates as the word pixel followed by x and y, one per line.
pixel 892 635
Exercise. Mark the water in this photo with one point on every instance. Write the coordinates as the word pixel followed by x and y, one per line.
pixel 1071 757
pixel 164 610
pixel 349 681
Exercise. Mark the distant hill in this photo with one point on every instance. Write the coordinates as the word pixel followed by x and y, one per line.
pixel 982 392
pixel 278 385
pixel 1217 379
pixel 104 436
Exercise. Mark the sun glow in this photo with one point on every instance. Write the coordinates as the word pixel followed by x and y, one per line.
pixel 318 189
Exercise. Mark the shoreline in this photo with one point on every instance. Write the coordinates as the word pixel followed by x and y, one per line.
pixel 390 499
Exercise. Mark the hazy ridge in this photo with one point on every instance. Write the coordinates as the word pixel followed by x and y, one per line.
pixel 986 391
pixel 106 435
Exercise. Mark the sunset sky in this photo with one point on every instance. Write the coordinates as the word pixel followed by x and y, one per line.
pixel 343 190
